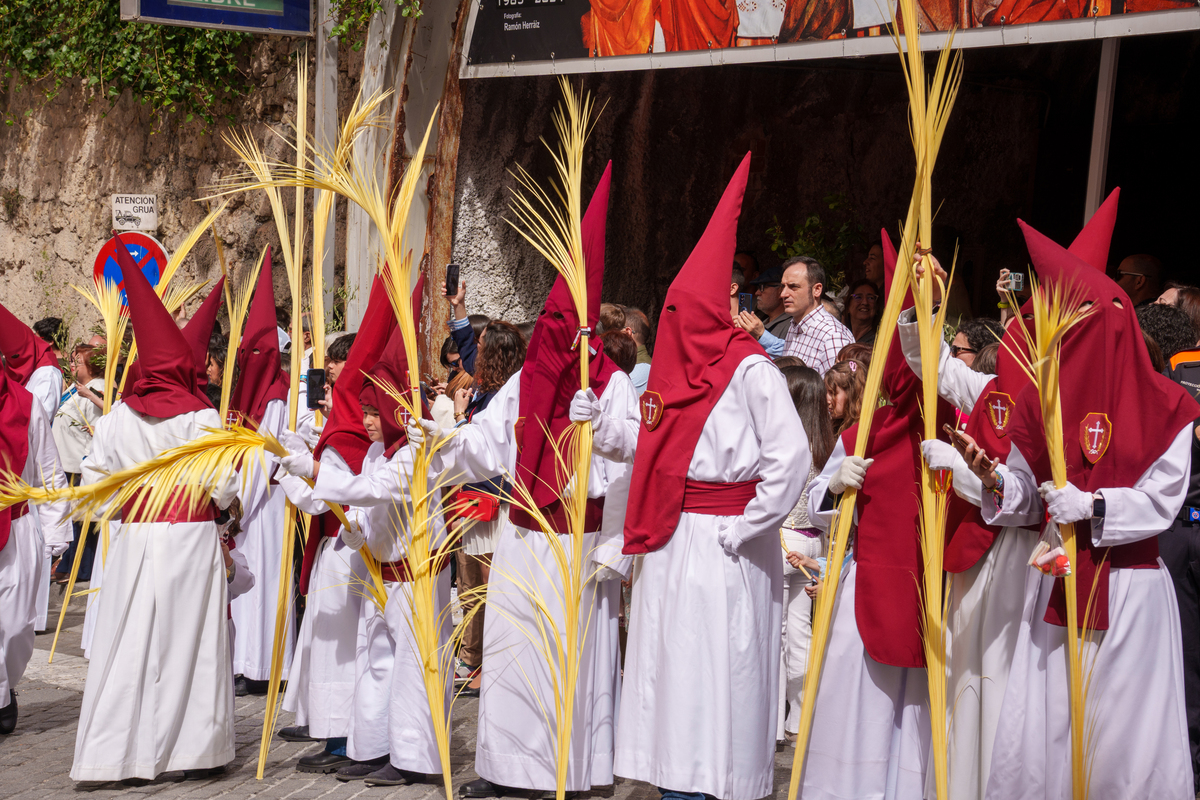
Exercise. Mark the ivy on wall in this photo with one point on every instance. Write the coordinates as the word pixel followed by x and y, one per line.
pixel 188 70
pixel 354 16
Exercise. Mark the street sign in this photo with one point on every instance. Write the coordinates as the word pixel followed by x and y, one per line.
pixel 292 17
pixel 135 212
pixel 146 252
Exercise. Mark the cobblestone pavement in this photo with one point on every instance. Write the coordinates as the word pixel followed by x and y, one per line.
pixel 36 759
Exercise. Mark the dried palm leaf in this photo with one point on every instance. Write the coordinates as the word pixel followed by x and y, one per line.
pixel 237 302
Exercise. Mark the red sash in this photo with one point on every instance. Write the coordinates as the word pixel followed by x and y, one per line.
pixel 556 514
pixel 718 499
pixel 173 512
pixel 398 572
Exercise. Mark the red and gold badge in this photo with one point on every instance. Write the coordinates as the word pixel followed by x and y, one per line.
pixel 652 409
pixel 999 408
pixel 234 418
pixel 1095 432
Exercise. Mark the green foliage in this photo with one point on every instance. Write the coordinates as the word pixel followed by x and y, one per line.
pixel 354 16
pixel 189 70
pixel 829 240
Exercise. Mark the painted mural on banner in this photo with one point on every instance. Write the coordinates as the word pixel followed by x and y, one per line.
pixel 540 30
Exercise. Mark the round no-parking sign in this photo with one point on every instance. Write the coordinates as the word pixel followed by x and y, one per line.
pixel 146 252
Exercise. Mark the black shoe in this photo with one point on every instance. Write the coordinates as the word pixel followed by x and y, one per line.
pixel 388 775
pixel 297 734
pixel 323 762
pixel 202 774
pixel 255 687
pixel 357 770
pixel 8 715
pixel 136 782
pixel 550 795
pixel 482 787
pixel 241 687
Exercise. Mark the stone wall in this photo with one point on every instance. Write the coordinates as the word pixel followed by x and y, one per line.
pixel 66 156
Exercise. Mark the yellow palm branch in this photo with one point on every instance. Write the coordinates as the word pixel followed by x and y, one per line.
pixel 1057 309
pixel 237 303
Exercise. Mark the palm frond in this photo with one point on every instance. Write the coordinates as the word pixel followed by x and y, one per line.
pixel 237 303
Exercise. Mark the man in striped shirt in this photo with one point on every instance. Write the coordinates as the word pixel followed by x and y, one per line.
pixel 814 337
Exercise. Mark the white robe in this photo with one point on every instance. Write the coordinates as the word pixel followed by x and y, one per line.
pixel 516 742
pixel 158 695
pixel 321 688
pixel 1139 745
pixel 264 516
pixel 46 386
pixel 870 735
pixel 391 709
pixel 22 560
pixel 700 702
pixel 986 601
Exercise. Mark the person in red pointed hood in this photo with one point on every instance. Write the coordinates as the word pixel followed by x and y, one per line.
pixel 261 380
pixel 260 400
pixel 721 458
pixel 389 742
pixel 1127 434
pixel 159 657
pixel 873 687
pixel 321 690
pixel 29 535
pixel 509 440
pixel 990 564
pixel 199 330
pixel 29 361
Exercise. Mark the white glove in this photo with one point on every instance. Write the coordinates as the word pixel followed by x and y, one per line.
pixel 585 407
pixel 604 574
pixel 942 455
pixel 421 429
pixel 728 538
pixel 295 444
pixel 849 474
pixel 54 550
pixel 299 464
pixel 1068 504
pixel 353 537
pixel 312 435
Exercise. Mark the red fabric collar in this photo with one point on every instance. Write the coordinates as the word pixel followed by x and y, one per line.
pixel 261 378
pixel 698 349
pixel 392 367
pixel 344 430
pixel 24 351
pixel 16 404
pixel 1110 396
pixel 166 381
pixel 550 374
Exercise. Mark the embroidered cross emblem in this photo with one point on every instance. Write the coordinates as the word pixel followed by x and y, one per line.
pixel 1095 434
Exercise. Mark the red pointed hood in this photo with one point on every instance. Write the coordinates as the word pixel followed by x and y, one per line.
pixel 1118 414
pixel 166 375
pixel 344 431
pixel 1092 243
pixel 16 404
pixel 198 330
pixel 696 353
pixel 24 351
pixel 550 374
pixel 261 378
pixel 392 368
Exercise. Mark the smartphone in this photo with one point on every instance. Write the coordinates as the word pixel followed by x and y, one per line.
pixel 451 280
pixel 315 381
pixel 745 302
pixel 958 440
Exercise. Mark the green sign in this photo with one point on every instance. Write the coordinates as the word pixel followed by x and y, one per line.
pixel 245 6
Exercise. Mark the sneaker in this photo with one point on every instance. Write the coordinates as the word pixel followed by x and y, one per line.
pixel 464 672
